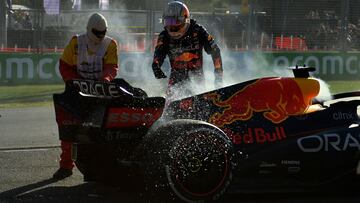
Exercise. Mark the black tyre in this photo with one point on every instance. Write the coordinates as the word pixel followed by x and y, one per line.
pixel 85 161
pixel 97 163
pixel 190 160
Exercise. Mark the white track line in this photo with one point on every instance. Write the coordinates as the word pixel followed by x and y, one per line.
pixel 27 149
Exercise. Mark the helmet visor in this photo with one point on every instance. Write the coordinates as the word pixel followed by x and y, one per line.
pixel 170 21
pixel 173 24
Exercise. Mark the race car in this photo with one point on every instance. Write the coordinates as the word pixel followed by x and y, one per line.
pixel 263 135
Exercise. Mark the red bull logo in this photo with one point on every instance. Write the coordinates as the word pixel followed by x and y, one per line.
pixel 277 98
pixel 186 104
pixel 186 57
pixel 256 135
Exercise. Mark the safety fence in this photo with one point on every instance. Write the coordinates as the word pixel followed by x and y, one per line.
pixel 294 25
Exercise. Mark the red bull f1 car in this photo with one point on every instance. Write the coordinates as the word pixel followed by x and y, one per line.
pixel 268 134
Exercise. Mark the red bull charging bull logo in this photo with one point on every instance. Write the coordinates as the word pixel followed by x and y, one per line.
pixel 186 57
pixel 277 98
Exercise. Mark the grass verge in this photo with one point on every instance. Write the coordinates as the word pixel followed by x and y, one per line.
pixel 28 95
pixel 343 86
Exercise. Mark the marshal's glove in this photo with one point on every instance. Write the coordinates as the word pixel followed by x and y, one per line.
pixel 159 74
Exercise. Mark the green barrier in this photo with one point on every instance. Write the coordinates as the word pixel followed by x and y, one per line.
pixel 329 65
pixel 28 68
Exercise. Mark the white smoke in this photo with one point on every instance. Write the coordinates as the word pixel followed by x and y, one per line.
pixel 324 94
pixel 136 69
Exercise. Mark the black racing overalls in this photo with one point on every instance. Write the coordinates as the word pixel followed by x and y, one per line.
pixel 185 54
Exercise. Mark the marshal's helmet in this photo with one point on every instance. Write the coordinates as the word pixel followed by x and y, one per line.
pixel 96 27
pixel 176 19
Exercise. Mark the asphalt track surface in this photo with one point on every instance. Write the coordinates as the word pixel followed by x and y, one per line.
pixel 29 154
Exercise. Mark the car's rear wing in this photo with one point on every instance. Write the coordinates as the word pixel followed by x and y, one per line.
pixel 86 107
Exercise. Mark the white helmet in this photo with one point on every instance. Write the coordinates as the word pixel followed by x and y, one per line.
pixel 96 27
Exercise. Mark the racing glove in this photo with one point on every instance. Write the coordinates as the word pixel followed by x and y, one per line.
pixel 159 74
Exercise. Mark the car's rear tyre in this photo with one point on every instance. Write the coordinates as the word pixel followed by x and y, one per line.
pixel 190 160
pixel 97 163
pixel 85 162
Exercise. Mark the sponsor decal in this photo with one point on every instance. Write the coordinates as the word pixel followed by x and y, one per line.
pixel 25 68
pixel 186 57
pixel 132 117
pixel 265 164
pixel 284 99
pixel 329 142
pixel 119 135
pixel 328 64
pixel 97 89
pixel 343 116
pixel 290 162
pixel 89 124
pixel 44 67
pixel 176 50
pixel 256 135
pixel 293 166
pixel 190 64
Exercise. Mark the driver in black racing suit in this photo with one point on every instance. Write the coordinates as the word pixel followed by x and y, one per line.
pixel 183 41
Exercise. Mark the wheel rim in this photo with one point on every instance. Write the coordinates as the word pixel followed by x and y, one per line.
pixel 199 165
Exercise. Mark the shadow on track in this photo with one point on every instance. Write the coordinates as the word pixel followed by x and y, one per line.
pixel 46 191
pixel 20 190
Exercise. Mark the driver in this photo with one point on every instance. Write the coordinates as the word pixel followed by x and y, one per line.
pixel 183 40
pixel 90 56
